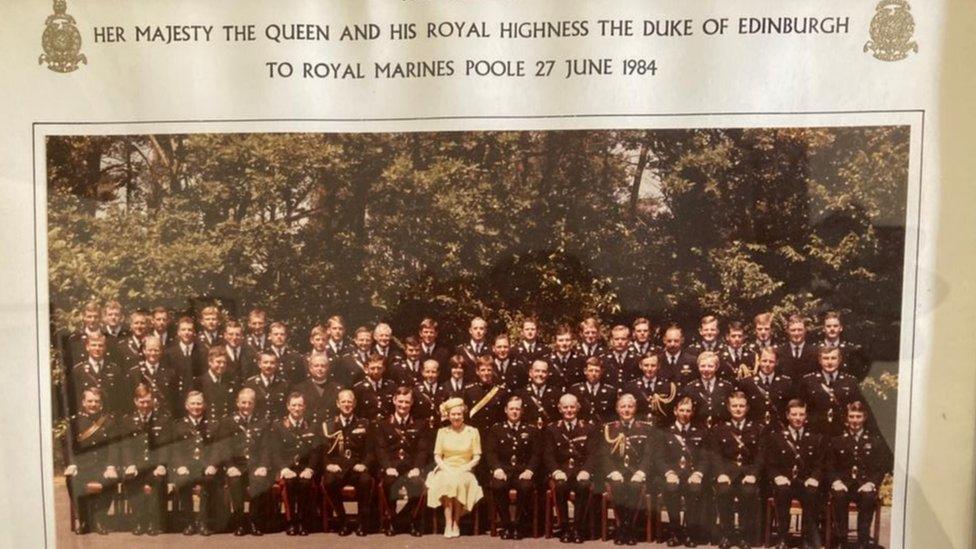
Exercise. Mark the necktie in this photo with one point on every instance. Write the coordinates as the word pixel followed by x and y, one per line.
pixel 796 351
pixel 674 360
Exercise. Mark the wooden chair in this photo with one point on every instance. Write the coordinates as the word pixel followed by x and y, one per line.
pixel 796 520
pixel 513 500
pixel 550 511
pixel 852 507
pixel 606 505
pixel 386 512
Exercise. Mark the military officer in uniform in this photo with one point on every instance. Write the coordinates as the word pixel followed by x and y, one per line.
pixel 269 388
pixel 241 362
pixel 209 335
pixel 708 340
pixel 682 467
pixel 130 349
pixel 336 346
pixel 855 363
pixel 709 393
pixel 475 348
pixel 293 449
pixel 403 450
pixel 430 349
pixel 565 363
pixel 513 454
pixel 164 382
pixel 185 357
pixel 768 391
pixel 383 346
pixel 96 372
pixel 242 451
pixel 736 465
pixel 374 393
pixel 161 328
pixel 677 363
pixel 591 341
pixel 351 367
pixel 828 392
pixel 655 394
pixel 509 371
pixel 90 470
pixel 291 364
pixel 485 399
pixel 455 383
pixel 529 348
pixel 797 358
pixel 620 365
pixel 428 395
pixel 319 391
pixel 257 336
pixel 598 399
pixel 193 463
pixel 348 454
pixel 642 344
pixel 407 370
pixel 763 329
pixel 794 459
pixel 218 387
pixel 736 361
pixel 143 438
pixel 540 399
pixel 75 343
pixel 567 460
pixel 625 449
pixel 857 462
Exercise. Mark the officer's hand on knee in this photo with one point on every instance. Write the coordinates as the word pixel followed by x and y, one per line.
pixel 391 472
pixel 866 487
pixel 359 467
pixel 261 472
pixel 558 475
pixel 333 468
pixel 159 471
pixel 71 470
pixel 780 480
pixel 583 476
pixel 838 486
pixel 526 475
pixel 615 476
pixel 110 473
pixel 812 483
pixel 182 471
pixel 131 471
pixel 235 472
pixel 749 479
pixel 723 479
pixel 412 473
pixel 638 477
pixel 211 470
pixel 695 478
pixel 499 474
pixel 671 478
pixel 288 474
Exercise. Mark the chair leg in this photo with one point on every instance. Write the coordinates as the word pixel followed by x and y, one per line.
pixel 603 518
pixel 769 521
pixel 548 513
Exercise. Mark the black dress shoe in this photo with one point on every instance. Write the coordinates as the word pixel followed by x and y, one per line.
pixel 517 534
pixel 566 536
pixel 291 530
pixel 100 529
pixel 390 530
pixel 82 528
pixel 240 531
pixel 152 531
pixel 255 531
pixel 301 530
pixel 577 537
pixel 138 531
pixel 189 530
pixel 360 530
pixel 415 531
pixel 673 541
pixel 505 534
pixel 690 542
pixel 203 530
pixel 724 544
pixel 631 539
pixel 345 529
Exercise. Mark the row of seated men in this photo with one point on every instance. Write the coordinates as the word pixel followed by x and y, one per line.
pixel 349 438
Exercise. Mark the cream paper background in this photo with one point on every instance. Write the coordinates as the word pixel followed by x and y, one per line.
pixel 734 75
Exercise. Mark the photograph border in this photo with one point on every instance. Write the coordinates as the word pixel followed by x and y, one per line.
pixel 914 202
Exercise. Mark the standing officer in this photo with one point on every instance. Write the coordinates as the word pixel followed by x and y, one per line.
pixel 242 451
pixel 485 399
pixel 509 371
pixel 677 363
pixel 374 393
pixel 568 461
pixel 257 336
pixel 620 364
pixel 513 453
pixel 164 382
pixel 625 449
pixel 643 334
pixel 269 388
pixel 682 466
pixel 591 342
pixel 90 473
pixel 185 357
pixel 75 343
pixel 291 365
pixel 218 387
pixel 828 392
pixel 794 459
pixel 347 451
pixel 428 395
pixel 193 463
pixel 734 446
pixel 429 348
pixel 319 391
pixel 293 449
pixel 768 391
pixel 597 398
pixel 797 358
pixel 407 370
pixel 529 347
pixel 736 361
pixel 540 399
pixel 96 372
pixel 566 364
pixel 709 393
pixel 855 363
pixel 857 463
pixel 337 346
pixel 143 439
pixel 655 395
pixel 475 348
pixel 404 450
pixel 708 339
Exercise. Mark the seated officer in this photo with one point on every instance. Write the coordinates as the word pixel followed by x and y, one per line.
pixel 513 453
pixel 857 463
pixel 293 450
pixel 568 460
pixel 596 397
pixel 768 391
pixel 734 447
pixel 193 464
pixel 655 394
pixel 682 465
pixel 241 450
pixel 403 450
pixel 485 399
pixel 540 398
pixel 794 459
pixel 709 393
pixel 143 437
pixel 374 393
pixel 347 452
pixel 90 455
pixel 625 450
pixel 428 395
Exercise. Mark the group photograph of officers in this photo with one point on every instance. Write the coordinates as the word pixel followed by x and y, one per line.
pixel 207 425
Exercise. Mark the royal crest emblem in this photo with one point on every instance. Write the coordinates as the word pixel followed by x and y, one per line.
pixel 61 41
pixel 892 28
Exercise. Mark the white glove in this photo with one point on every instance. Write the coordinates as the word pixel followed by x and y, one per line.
pixel 71 470
pixel 391 472
pixel 838 486
pixel 670 477
pixel 233 472
pixel 287 473
pixel 780 480
pixel 359 467
pixel 526 475
pixel 210 470
pixel 131 471
pixel 333 468
pixel 182 471
pixel 499 474
pixel 583 476
pixel 159 471
pixel 413 473
pixel 695 478
pixel 615 476
pixel 812 483
pixel 558 475
pixel 749 479
pixel 110 473
pixel 866 487
pixel 723 479
pixel 306 473
pixel 261 472
pixel 639 476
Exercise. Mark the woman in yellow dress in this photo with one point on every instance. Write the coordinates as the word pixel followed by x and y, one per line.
pixel 456 452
